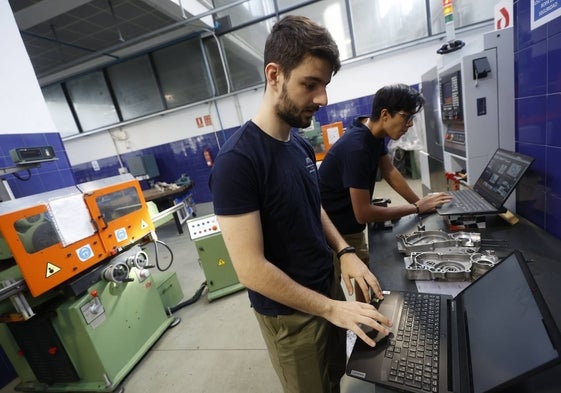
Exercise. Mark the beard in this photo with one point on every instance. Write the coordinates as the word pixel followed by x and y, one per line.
pixel 287 110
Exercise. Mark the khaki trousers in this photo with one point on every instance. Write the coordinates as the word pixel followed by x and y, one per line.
pixel 308 352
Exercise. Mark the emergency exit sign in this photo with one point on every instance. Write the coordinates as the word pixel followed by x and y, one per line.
pixel 543 11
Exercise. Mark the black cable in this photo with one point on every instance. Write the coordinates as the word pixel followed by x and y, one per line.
pixel 23 178
pixel 156 242
pixel 188 302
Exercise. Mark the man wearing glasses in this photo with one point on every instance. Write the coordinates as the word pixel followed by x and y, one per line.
pixel 348 172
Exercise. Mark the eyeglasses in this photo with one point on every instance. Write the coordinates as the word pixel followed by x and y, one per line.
pixel 408 117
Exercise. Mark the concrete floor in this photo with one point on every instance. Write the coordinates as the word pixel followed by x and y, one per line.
pixel 217 347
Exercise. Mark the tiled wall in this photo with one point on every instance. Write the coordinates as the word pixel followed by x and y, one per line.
pixel 48 176
pixel 173 160
pixel 538 117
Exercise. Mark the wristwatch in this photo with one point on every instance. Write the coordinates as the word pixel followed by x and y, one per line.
pixel 346 250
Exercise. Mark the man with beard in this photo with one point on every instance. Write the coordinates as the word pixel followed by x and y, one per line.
pixel 349 170
pixel 265 192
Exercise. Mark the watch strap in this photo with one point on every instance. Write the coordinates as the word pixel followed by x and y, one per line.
pixel 346 250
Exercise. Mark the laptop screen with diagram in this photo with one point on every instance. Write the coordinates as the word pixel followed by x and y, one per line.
pixel 501 175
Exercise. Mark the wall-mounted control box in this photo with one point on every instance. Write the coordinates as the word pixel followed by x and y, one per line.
pixel 29 155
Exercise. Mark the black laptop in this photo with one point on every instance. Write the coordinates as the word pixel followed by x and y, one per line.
pixel 494 333
pixel 497 181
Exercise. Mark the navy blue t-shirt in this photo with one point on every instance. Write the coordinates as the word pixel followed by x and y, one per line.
pixel 351 162
pixel 254 171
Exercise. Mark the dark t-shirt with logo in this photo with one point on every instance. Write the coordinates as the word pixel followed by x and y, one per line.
pixel 255 172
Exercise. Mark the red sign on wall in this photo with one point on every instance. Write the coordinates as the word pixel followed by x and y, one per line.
pixel 199 121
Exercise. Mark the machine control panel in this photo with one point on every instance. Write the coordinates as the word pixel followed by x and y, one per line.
pixel 203 226
pixel 93 312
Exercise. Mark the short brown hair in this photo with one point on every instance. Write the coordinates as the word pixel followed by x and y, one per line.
pixel 293 38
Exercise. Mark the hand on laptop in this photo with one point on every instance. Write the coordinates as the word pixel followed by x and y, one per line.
pixel 429 203
pixel 351 315
pixel 354 316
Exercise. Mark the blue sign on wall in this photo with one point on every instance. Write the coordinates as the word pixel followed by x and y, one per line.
pixel 543 11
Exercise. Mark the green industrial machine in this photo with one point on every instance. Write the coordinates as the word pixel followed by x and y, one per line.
pixel 90 340
pixel 79 303
pixel 220 275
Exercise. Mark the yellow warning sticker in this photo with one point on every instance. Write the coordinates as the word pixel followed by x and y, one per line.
pixel 51 269
pixel 143 224
pixel 221 262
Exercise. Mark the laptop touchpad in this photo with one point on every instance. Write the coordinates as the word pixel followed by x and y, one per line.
pixel 389 308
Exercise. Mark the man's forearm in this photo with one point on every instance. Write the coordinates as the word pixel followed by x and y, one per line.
pixel 334 238
pixel 270 281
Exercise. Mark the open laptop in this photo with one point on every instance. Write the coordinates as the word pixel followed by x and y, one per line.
pixel 497 181
pixel 494 333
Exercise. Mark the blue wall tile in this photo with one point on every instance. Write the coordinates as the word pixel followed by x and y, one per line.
pixel 553 120
pixel 553 174
pixel 537 81
pixel 531 75
pixel 525 36
pixel 531 119
pixel 554 64
pixel 530 196
pixel 48 176
pixel 554 27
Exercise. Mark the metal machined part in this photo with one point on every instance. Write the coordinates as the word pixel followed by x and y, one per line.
pixel 482 263
pixel 438 241
pixel 438 266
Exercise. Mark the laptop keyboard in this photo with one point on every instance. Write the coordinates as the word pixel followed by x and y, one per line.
pixel 414 350
pixel 470 200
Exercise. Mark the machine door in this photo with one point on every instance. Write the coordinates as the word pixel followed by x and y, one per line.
pixel 120 213
pixel 37 248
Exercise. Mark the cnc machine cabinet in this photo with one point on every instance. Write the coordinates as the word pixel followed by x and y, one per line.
pixel 214 258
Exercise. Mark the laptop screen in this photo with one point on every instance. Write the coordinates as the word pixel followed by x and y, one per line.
pixel 501 175
pixel 505 326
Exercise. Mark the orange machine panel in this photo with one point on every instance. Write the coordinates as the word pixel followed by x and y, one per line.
pixel 37 249
pixel 120 213
pixel 331 133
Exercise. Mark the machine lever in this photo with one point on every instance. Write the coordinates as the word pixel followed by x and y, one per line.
pixel 11 287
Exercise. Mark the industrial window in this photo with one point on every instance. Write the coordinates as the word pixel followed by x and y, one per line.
pixel 199 68
pixel 60 111
pixel 381 24
pixel 183 73
pixel 135 87
pixel 333 15
pixel 243 13
pixel 92 101
pixel 466 12
pixel 243 54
